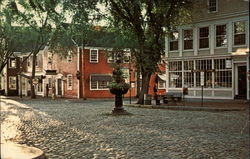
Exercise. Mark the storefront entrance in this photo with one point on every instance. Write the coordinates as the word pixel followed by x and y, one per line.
pixel 242 82
pixel 59 87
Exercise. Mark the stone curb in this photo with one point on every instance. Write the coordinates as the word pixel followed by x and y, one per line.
pixel 17 151
pixel 183 108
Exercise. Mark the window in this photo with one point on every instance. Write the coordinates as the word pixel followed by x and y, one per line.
pixel 204 38
pixel 69 82
pixel 39 87
pixel 188 74
pixel 221 35
pixel 161 84
pixel 12 83
pixel 69 56
pixel 28 61
pixel 175 74
pixel 223 74
pixel 239 33
pixel 99 82
pixel 12 63
pixel 204 66
pixel 126 57
pixel 174 36
pixel 188 39
pixel 126 74
pixel 93 56
pixel 212 5
pixel 111 57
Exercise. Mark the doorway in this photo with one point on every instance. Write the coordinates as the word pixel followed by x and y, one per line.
pixel 59 87
pixel 242 82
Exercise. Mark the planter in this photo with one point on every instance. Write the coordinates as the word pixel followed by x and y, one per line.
pixel 118 91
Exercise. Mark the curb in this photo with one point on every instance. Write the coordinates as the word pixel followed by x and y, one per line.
pixel 184 108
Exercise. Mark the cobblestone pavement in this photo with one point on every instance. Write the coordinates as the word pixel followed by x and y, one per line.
pixel 83 129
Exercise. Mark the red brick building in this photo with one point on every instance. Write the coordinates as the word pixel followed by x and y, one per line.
pixel 96 73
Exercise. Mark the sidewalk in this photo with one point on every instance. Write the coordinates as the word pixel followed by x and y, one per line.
pixel 194 104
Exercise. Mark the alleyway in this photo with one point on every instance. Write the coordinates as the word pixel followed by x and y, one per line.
pixel 83 129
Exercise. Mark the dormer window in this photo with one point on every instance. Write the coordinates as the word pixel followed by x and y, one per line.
pixel 69 56
pixel 212 6
pixel 12 63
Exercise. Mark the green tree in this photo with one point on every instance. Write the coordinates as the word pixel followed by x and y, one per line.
pixel 41 18
pixel 149 20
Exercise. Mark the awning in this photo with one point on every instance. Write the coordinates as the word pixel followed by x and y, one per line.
pixel 163 77
pixel 100 77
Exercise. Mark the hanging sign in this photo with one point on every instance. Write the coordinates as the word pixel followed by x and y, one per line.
pixel 202 78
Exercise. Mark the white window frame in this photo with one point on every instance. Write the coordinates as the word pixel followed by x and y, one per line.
pixel 192 38
pixel 10 62
pixel 97 85
pixel 68 86
pixel 171 40
pixel 216 5
pixel 215 35
pixel 235 34
pixel 200 38
pixel 97 56
pixel 15 85
pixel 159 85
pixel 128 55
pixel 69 57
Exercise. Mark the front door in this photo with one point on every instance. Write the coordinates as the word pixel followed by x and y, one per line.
pixel 59 87
pixel 242 82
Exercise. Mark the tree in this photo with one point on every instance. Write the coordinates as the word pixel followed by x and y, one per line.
pixel 149 20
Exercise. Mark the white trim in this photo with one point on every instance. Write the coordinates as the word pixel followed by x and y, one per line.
pixel 180 37
pixel 166 46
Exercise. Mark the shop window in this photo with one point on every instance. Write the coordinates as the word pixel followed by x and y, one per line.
pixel 188 39
pixel 175 74
pixel 12 83
pixel 223 73
pixel 204 38
pixel 161 84
pixel 99 82
pixel 174 36
pixel 239 33
pixel 206 67
pixel 188 74
pixel 221 35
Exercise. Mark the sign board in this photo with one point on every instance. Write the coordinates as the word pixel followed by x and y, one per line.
pixel 228 63
pixel 202 78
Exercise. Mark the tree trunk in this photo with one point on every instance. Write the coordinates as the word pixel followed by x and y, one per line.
pixel 32 87
pixel 145 86
pixel 138 85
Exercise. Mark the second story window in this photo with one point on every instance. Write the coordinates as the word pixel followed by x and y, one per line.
pixel 93 56
pixel 212 6
pixel 126 57
pixel 221 35
pixel 204 38
pixel 69 82
pixel 239 33
pixel 174 36
pixel 12 63
pixel 69 56
pixel 188 39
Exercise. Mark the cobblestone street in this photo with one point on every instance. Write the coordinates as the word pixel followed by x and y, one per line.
pixel 76 129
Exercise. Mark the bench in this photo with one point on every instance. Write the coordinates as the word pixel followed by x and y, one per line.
pixel 172 96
